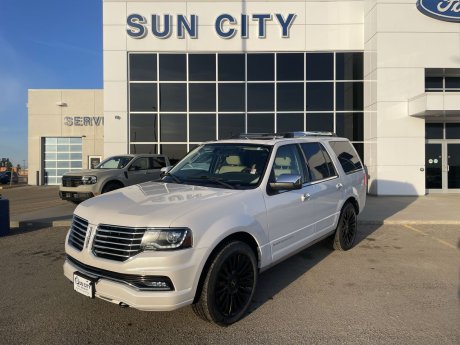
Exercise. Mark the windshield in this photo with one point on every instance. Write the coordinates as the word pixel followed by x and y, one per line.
pixel 237 166
pixel 117 162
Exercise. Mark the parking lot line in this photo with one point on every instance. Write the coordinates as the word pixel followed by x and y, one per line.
pixel 433 237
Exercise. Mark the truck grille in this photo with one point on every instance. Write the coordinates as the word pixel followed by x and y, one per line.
pixel 71 181
pixel 78 232
pixel 117 242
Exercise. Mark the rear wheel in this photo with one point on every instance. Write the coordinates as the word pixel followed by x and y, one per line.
pixel 229 285
pixel 347 228
pixel 110 186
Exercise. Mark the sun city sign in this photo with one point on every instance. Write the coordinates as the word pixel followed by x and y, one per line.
pixel 226 25
pixel 447 10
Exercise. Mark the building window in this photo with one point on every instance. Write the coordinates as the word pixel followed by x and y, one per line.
pixel 442 80
pixel 61 155
pixel 180 100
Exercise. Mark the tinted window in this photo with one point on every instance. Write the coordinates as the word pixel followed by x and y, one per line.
pixel 349 96
pixel 289 66
pixel 350 125
pixel 202 67
pixel 261 123
pixel 142 163
pixel 143 127
pixel 231 125
pixel 261 97
pixel 202 127
pixel 173 97
pixel 320 122
pixel 232 97
pixel 172 67
pixel 434 130
pixel 158 162
pixel 452 130
pixel 261 67
pixel 143 97
pixel 433 83
pixel 346 155
pixel 349 66
pixel 317 164
pixel 143 67
pixel 320 96
pixel 231 67
pixel 173 127
pixel 202 97
pixel 143 148
pixel 290 96
pixel 175 152
pixel 289 122
pixel 453 83
pixel 320 66
pixel 287 161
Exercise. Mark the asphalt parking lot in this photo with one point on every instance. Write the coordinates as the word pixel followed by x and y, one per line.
pixel 399 285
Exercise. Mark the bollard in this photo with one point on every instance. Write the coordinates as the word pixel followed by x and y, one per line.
pixel 4 217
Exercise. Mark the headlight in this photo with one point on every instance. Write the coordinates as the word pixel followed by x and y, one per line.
pixel 89 179
pixel 167 239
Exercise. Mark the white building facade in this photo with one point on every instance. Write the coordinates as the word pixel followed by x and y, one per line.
pixel 385 74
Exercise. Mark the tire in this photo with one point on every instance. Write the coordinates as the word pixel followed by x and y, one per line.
pixel 110 186
pixel 347 228
pixel 229 285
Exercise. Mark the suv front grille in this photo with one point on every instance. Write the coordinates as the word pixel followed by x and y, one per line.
pixel 71 181
pixel 78 232
pixel 117 242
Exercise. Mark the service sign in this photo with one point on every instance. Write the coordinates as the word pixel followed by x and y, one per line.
pixel 446 10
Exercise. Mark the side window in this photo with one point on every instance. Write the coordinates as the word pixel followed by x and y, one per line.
pixel 347 156
pixel 287 161
pixel 141 163
pixel 158 162
pixel 329 163
pixel 319 165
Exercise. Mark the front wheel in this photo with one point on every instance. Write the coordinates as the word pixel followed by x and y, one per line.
pixel 229 285
pixel 347 228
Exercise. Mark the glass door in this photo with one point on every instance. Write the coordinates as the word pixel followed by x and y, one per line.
pixel 433 166
pixel 453 166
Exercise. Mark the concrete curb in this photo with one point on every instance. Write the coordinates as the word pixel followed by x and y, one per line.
pixel 66 223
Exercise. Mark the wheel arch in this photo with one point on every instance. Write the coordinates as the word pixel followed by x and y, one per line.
pixel 116 181
pixel 236 236
pixel 352 200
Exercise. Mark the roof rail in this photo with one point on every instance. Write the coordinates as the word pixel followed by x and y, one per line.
pixel 262 136
pixel 308 134
pixel 268 136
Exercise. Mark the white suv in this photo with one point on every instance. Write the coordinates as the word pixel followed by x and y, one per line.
pixel 227 211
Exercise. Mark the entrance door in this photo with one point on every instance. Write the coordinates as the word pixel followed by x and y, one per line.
pixel 442 167
pixel 453 166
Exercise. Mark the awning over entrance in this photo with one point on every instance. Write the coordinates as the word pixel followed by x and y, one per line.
pixel 435 104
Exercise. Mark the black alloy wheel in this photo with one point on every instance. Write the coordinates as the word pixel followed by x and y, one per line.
pixel 229 285
pixel 347 228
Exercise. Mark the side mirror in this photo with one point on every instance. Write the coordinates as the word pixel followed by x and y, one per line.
pixel 165 170
pixel 287 182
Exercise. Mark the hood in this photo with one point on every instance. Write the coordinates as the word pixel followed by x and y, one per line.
pixel 153 204
pixel 94 172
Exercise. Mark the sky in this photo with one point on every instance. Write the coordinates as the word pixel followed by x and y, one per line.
pixel 47 44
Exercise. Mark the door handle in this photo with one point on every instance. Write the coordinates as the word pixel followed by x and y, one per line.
pixel 306 196
pixel 339 186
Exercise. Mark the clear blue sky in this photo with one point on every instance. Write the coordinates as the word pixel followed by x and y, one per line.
pixel 48 44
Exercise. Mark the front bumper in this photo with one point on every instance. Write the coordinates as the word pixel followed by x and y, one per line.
pixel 75 196
pixel 120 288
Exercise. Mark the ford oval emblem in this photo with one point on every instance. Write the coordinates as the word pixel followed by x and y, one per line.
pixel 447 10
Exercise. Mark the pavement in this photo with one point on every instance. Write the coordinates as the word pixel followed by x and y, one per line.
pixel 40 206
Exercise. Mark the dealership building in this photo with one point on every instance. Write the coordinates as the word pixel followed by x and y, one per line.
pixel 384 74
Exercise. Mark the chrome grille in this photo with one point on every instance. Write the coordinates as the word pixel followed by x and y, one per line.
pixel 117 242
pixel 71 181
pixel 78 232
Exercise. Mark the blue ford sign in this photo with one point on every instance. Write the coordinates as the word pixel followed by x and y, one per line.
pixel 447 10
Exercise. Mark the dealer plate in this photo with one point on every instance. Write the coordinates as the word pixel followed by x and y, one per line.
pixel 83 285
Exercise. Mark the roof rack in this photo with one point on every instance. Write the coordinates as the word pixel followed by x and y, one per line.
pixel 268 136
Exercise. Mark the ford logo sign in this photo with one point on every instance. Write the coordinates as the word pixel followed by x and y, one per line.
pixel 447 10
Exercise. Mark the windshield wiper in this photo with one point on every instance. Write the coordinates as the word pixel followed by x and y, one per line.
pixel 213 179
pixel 174 177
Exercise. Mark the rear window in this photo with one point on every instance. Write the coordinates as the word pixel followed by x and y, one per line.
pixel 347 156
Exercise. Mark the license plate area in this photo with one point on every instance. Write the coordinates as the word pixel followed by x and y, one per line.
pixel 84 284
